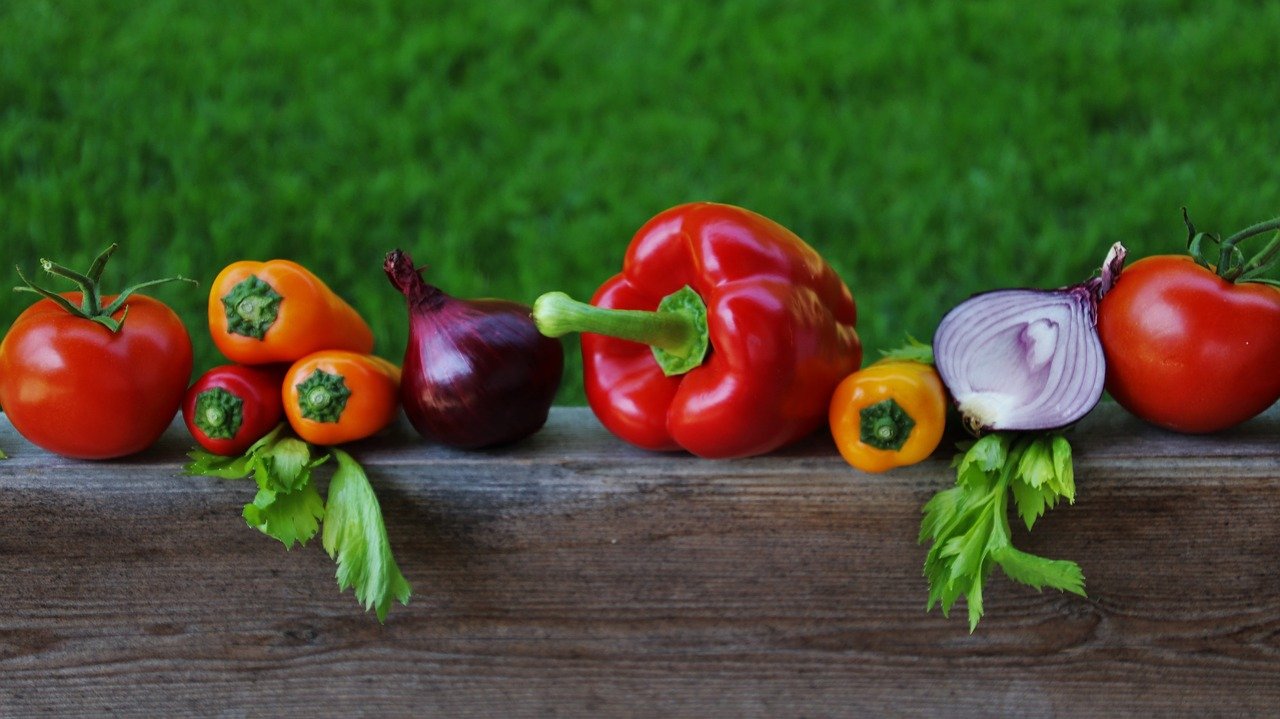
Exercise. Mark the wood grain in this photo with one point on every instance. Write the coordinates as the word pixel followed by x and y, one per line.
pixel 571 575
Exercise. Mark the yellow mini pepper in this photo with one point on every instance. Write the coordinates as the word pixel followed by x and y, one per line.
pixel 891 413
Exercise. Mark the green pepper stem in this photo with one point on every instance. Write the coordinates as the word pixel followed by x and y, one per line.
pixel 322 397
pixel 252 307
pixel 558 314
pixel 677 331
pixel 885 425
pixel 218 413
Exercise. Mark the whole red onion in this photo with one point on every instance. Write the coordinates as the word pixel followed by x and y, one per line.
pixel 476 372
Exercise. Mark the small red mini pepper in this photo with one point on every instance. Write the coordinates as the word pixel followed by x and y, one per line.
pixel 230 407
pixel 724 335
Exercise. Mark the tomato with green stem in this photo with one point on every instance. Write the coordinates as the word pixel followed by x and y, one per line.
pixel 1192 341
pixel 93 376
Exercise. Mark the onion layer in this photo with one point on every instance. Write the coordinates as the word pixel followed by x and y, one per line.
pixel 1026 359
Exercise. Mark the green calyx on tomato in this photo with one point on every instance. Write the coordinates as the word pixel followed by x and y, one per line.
pixel 676 331
pixel 1230 263
pixel 109 387
pixel 322 397
pixel 91 307
pixel 219 413
pixel 252 307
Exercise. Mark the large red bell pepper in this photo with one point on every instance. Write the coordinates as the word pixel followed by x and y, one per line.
pixel 732 335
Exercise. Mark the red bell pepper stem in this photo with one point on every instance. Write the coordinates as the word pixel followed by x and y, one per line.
pixel 677 331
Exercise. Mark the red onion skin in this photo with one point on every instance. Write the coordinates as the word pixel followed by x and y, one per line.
pixel 476 373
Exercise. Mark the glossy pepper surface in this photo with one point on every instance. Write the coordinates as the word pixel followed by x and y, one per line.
pixel 230 407
pixel 279 312
pixel 335 396
pixel 752 369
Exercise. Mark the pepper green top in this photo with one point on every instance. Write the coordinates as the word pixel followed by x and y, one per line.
pixel 322 397
pixel 252 307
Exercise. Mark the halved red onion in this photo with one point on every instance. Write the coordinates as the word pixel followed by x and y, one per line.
pixel 1026 359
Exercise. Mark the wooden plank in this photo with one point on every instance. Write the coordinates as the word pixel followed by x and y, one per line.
pixel 571 575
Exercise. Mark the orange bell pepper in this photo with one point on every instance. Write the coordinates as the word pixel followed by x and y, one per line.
pixel 889 414
pixel 335 396
pixel 278 311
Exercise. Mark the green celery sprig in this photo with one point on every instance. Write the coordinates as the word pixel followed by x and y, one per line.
pixel 969 523
pixel 355 537
pixel 288 507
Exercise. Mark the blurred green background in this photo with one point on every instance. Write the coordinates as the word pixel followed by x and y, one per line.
pixel 928 150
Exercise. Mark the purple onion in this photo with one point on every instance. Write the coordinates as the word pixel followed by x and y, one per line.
pixel 476 373
pixel 1026 359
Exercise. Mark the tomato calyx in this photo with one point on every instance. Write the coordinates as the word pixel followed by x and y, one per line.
pixel 1230 263
pixel 91 307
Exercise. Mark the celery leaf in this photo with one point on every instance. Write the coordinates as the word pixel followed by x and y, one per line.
pixel 968 524
pixel 287 505
pixel 1039 572
pixel 913 351
pixel 292 518
pixel 356 537
pixel 205 464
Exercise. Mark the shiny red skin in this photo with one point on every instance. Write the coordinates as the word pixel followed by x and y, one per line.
pixel 781 326
pixel 73 387
pixel 258 388
pixel 1188 350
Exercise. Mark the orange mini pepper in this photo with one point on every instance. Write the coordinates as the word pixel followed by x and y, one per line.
pixel 335 396
pixel 278 311
pixel 889 414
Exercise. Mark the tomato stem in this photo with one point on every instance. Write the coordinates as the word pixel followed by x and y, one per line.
pixel 88 288
pixel 90 291
pixel 1231 263
pixel 1262 261
pixel 1252 230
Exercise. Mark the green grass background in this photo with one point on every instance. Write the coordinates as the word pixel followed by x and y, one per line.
pixel 928 150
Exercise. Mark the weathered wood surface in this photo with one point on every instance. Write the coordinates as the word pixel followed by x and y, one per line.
pixel 573 576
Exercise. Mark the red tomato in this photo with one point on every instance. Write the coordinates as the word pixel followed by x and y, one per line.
pixel 1188 350
pixel 77 389
pixel 231 407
